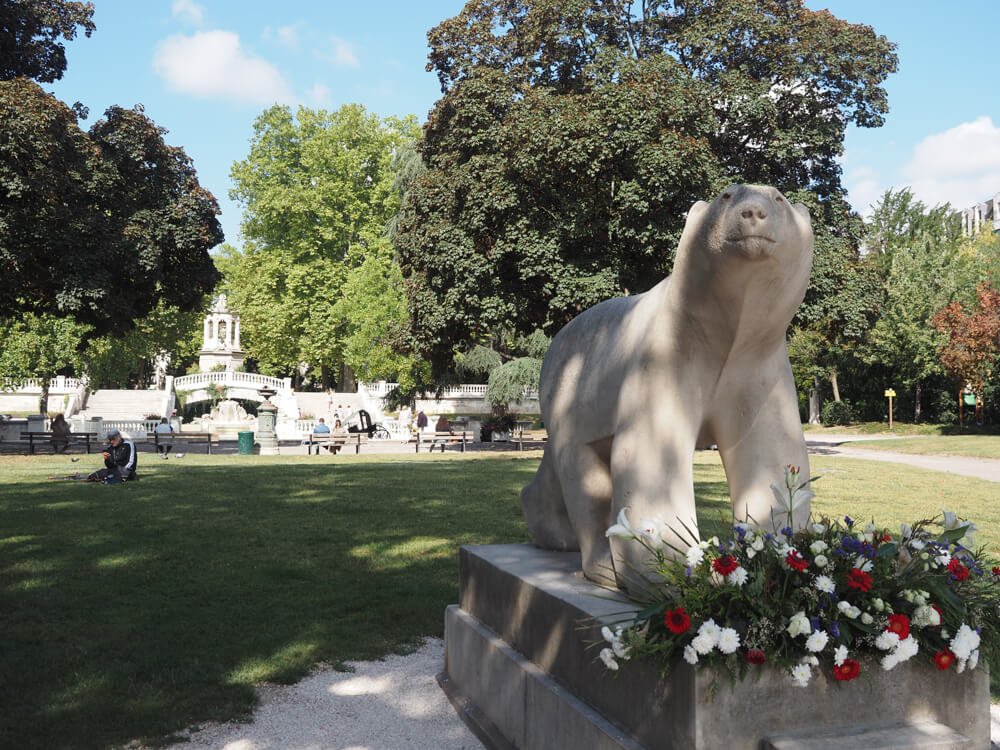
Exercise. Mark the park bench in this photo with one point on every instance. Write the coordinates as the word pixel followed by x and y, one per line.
pixel 356 439
pixel 190 438
pixel 443 439
pixel 531 436
pixel 45 437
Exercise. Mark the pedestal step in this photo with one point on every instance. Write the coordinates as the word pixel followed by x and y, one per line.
pixel 912 735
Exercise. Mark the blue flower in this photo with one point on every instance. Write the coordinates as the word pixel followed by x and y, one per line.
pixel 834 629
pixel 849 521
pixel 787 531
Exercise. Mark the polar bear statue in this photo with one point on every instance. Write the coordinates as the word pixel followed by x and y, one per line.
pixel 631 387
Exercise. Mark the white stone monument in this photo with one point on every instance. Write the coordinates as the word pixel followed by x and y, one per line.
pixel 220 339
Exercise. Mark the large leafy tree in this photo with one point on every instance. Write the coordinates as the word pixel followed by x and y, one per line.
pixel 318 191
pixel 102 225
pixel 30 34
pixel 972 346
pixel 571 137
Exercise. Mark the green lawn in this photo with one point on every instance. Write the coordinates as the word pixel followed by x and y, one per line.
pixel 976 446
pixel 134 611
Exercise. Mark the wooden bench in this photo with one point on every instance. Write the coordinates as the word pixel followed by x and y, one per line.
pixel 191 438
pixel 530 436
pixel 357 439
pixel 442 439
pixel 46 437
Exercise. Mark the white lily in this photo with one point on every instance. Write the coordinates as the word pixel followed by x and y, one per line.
pixel 622 529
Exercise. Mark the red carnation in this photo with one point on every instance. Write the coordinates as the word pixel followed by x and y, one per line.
pixel 847 671
pixel 677 621
pixel 958 571
pixel 755 656
pixel 944 659
pixel 996 572
pixel 725 565
pixel 900 625
pixel 794 560
pixel 859 579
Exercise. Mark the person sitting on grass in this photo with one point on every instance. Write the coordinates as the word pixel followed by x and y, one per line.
pixel 120 461
pixel 163 444
pixel 321 428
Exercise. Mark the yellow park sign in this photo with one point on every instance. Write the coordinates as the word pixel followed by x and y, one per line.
pixel 890 393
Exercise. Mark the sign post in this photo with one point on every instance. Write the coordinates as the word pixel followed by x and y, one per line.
pixel 890 394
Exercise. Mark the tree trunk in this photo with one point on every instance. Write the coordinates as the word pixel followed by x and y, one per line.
pixel 814 402
pixel 347 382
pixel 43 398
pixel 833 384
pixel 916 403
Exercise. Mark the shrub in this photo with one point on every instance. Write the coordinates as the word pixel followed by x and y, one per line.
pixel 837 413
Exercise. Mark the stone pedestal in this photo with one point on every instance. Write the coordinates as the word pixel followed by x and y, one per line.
pixel 521 666
pixel 267 416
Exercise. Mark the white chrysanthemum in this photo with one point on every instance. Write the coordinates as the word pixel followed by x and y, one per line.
pixel 799 624
pixel 907 648
pixel 695 555
pixel 960 665
pixel 801 674
pixel 739 576
pixel 690 655
pixel 943 559
pixel 839 654
pixel 889 661
pixel 818 546
pixel 966 641
pixel 887 640
pixel 729 641
pixel 974 659
pixel 825 584
pixel 703 644
pixel 817 641
pixel 863 563
pixel 820 561
pixel 608 657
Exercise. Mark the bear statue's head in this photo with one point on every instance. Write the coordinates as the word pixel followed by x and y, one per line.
pixel 751 222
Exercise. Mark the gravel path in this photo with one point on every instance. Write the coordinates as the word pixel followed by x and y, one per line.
pixel 394 704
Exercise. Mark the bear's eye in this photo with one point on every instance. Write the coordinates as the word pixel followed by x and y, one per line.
pixel 777 199
pixel 726 196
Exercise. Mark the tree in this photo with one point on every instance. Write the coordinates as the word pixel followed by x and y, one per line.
pixel 318 194
pixel 97 226
pixel 39 346
pixel 915 250
pixel 970 352
pixel 572 137
pixel 30 31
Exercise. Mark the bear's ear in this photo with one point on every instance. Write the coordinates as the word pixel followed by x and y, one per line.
pixel 802 211
pixel 697 209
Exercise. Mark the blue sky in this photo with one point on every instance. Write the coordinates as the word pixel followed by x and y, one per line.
pixel 204 69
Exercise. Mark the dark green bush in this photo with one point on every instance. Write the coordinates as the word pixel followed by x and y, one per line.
pixel 837 413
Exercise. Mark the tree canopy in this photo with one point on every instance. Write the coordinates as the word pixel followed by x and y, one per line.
pixel 316 283
pixel 572 137
pixel 30 31
pixel 98 226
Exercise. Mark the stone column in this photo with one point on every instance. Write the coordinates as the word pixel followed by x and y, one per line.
pixel 236 333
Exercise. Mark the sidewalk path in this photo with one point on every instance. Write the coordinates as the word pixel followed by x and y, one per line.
pixel 980 468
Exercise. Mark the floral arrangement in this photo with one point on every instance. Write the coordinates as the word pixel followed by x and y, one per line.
pixel 835 595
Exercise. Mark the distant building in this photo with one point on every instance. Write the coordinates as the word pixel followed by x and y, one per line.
pixel 982 215
pixel 221 339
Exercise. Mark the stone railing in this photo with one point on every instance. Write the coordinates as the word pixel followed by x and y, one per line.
pixel 230 378
pixel 134 429
pixel 58 384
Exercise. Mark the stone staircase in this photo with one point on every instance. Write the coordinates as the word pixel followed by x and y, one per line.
pixel 316 405
pixel 115 405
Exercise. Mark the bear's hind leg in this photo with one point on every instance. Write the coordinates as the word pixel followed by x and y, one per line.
pixel 586 478
pixel 545 510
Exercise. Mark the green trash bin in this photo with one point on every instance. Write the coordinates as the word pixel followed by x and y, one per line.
pixel 246 443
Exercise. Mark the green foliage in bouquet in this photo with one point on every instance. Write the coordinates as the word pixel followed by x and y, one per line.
pixel 835 595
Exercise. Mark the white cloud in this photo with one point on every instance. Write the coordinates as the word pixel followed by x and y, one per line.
pixel 864 188
pixel 343 53
pixel 320 96
pixel 214 64
pixel 960 166
pixel 188 10
pixel 286 36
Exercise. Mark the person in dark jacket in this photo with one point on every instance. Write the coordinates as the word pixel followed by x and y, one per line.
pixel 120 461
